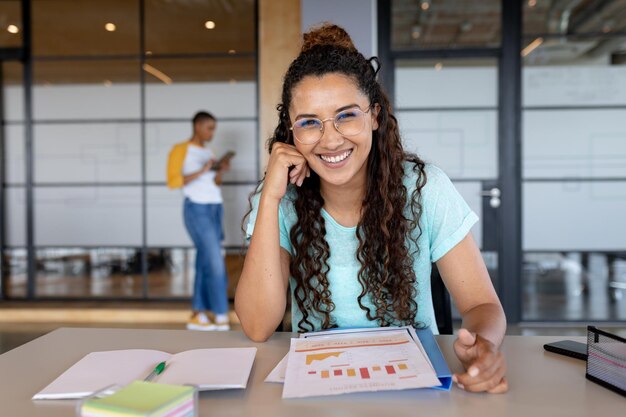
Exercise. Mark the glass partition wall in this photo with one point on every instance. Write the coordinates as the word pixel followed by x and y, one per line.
pixel 12 196
pixel 544 91
pixel 574 161
pixel 112 89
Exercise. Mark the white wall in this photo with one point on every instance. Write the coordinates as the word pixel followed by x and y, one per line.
pixel 574 144
pixel 462 143
pixel 571 86
pixel 462 137
pixel 557 144
pixel 121 101
pixel 426 87
pixel 570 216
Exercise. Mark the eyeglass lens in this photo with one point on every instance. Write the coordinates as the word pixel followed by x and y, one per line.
pixel 348 122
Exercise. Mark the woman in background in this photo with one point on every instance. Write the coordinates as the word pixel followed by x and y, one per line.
pixel 190 167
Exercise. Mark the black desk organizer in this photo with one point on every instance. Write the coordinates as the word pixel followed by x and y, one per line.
pixel 606 359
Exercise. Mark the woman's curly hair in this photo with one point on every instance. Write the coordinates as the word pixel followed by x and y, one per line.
pixel 384 232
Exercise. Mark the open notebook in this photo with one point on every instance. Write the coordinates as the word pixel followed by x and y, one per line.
pixel 208 369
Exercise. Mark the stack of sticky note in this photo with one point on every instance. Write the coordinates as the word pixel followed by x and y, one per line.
pixel 145 399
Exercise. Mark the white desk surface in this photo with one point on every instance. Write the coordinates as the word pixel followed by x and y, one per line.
pixel 541 383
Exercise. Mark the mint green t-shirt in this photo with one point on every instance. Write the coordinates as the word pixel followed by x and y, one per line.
pixel 445 220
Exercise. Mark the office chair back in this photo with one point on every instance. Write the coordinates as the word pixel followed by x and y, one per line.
pixel 441 302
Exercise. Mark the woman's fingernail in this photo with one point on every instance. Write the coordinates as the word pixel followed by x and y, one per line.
pixel 461 386
pixel 473 372
pixel 454 379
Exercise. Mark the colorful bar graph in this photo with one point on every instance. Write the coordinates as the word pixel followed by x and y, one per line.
pixel 364 373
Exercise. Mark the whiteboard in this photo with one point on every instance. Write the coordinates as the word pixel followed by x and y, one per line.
pixel 589 143
pixel 425 87
pixel 462 143
pixel 88 216
pixel 574 86
pixel 574 216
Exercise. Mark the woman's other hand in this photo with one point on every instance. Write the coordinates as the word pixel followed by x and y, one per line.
pixel 484 364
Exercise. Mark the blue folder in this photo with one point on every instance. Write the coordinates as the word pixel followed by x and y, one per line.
pixel 436 358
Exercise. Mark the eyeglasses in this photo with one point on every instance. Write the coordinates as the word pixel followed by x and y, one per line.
pixel 310 130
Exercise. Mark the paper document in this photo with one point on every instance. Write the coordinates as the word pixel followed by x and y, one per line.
pixel 277 375
pixel 354 362
pixel 207 369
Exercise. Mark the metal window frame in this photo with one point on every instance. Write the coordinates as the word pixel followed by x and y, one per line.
pixel 2 191
pixel 510 160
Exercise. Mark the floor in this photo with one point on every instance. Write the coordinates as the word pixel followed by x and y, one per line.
pixel 110 273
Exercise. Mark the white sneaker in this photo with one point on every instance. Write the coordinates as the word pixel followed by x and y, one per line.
pixel 221 323
pixel 224 327
pixel 200 322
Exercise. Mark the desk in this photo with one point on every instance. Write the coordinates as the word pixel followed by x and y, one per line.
pixel 541 383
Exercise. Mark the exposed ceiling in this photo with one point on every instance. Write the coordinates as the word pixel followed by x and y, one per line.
pixel 469 23
pixel 76 28
pixel 445 23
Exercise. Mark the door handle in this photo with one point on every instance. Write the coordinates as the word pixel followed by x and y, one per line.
pixel 494 196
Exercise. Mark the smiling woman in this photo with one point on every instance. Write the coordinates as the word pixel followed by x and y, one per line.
pixel 350 223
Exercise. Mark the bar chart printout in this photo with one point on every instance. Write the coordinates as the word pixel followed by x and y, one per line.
pixel 356 362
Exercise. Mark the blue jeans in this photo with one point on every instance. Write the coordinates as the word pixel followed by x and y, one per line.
pixel 204 225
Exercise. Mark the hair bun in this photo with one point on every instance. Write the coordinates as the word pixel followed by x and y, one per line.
pixel 327 34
